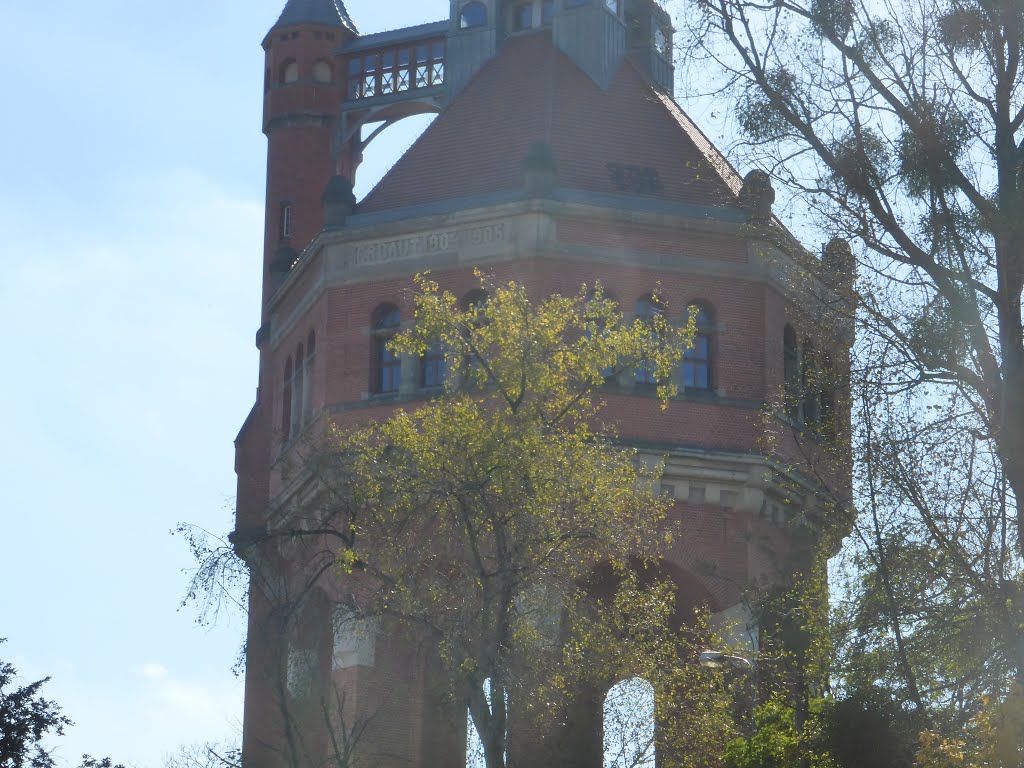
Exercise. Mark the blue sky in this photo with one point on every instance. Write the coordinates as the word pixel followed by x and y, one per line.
pixel 132 172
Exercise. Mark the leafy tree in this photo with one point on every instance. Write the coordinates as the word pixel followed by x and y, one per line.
pixel 27 720
pixel 208 755
pixel 899 126
pixel 478 518
pixel 500 522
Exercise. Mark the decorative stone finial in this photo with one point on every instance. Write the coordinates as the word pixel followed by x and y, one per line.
pixel 757 195
pixel 838 264
pixel 539 170
pixel 339 201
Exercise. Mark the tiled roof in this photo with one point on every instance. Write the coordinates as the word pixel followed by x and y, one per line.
pixel 531 91
pixel 330 13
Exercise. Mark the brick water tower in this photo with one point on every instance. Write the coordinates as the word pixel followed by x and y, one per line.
pixel 557 157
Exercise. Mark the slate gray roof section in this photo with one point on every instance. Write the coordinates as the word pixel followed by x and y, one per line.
pixel 330 13
pixel 396 36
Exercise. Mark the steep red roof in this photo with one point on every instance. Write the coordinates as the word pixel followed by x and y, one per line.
pixel 531 91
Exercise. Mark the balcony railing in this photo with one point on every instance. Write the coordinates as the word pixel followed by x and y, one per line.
pixel 396 69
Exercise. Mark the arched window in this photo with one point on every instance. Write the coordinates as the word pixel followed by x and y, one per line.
pixel 387 364
pixel 596 326
pixel 307 390
pixel 322 72
pixel 286 401
pixel 647 308
pixel 629 725
pixel 473 14
pixel 791 373
pixel 290 72
pixel 298 388
pixel 810 384
pixel 434 366
pixel 697 359
pixel 828 397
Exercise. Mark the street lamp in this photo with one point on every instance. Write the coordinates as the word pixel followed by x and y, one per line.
pixel 721 660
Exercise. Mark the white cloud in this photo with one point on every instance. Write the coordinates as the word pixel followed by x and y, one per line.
pixel 154 671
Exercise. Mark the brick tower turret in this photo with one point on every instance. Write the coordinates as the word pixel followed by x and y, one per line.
pixel 302 90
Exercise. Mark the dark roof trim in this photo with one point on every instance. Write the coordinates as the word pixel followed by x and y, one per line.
pixel 396 36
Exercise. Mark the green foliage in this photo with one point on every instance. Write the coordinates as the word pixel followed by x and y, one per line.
pixel 927 151
pixel 759 113
pixel 867 729
pixel 27 720
pixel 477 519
pixel 777 741
pixel 861 161
pixel 832 18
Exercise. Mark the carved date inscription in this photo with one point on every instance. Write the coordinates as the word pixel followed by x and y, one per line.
pixel 635 178
pixel 425 245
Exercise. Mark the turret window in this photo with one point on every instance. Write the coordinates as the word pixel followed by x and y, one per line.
pixel 287 220
pixel 322 73
pixel 662 42
pixel 473 15
pixel 290 72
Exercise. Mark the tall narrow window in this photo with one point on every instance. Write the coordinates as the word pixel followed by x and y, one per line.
pixel 387 365
pixel 298 387
pixel 810 385
pixel 828 396
pixel 647 309
pixel 307 390
pixel 629 725
pixel 697 359
pixel 791 373
pixel 286 401
pixel 287 215
pixel 434 366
